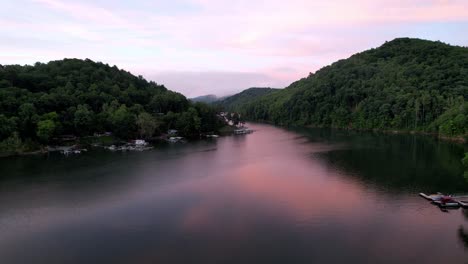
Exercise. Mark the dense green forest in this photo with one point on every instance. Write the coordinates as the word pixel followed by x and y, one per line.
pixel 82 97
pixel 406 84
pixel 237 102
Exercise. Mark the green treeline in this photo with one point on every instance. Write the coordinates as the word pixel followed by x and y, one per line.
pixel 406 84
pixel 82 97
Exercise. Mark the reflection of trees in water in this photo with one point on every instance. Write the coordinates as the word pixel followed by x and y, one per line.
pixel 462 232
pixel 465 213
pixel 402 162
pixel 463 235
pixel 397 162
pixel 465 165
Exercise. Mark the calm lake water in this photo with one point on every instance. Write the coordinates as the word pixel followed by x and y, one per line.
pixel 274 196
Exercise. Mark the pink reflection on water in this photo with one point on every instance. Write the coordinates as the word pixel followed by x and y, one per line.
pixel 298 189
pixel 303 191
pixel 227 195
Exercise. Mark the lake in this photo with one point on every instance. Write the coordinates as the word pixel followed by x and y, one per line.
pixel 274 196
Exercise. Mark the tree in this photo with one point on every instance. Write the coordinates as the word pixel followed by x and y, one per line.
pixel 123 122
pixel 45 130
pixel 28 118
pixel 147 125
pixel 209 119
pixel 189 123
pixel 83 120
pixel 12 143
pixel 7 126
pixel 235 119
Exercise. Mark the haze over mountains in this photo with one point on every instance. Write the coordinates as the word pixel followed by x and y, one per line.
pixel 210 98
pixel 234 100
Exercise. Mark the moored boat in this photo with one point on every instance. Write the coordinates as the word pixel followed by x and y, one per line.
pixel 442 200
pixel 176 140
pixel 242 131
pixel 447 202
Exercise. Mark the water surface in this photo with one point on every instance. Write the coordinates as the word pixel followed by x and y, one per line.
pixel 274 196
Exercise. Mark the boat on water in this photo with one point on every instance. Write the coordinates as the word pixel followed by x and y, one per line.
pixel 130 147
pixel 242 131
pixel 72 150
pixel 176 140
pixel 447 202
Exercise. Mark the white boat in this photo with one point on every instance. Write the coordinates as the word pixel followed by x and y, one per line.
pixel 70 151
pixel 140 142
pixel 112 148
pixel 242 131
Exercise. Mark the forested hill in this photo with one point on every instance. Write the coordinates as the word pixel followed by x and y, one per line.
pixel 208 99
pixel 81 97
pixel 406 84
pixel 238 101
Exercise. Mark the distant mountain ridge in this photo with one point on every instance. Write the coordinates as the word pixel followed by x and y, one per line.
pixel 209 98
pixel 237 101
pixel 405 84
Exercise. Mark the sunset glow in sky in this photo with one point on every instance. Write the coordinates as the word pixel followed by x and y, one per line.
pixel 199 47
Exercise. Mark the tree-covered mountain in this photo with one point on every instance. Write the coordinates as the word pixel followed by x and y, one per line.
pixel 238 101
pixel 406 84
pixel 81 97
pixel 208 99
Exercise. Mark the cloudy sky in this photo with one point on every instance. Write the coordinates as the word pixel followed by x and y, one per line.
pixel 219 46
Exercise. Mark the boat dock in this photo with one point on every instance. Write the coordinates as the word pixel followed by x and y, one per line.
pixel 446 201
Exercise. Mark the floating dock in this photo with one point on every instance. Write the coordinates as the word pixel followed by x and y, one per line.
pixel 431 197
pixel 463 204
pixel 445 201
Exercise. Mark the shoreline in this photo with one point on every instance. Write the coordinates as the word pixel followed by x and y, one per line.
pixel 461 139
pixel 456 139
pixel 45 150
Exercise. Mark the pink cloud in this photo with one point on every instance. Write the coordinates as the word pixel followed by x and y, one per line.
pixel 82 11
pixel 248 36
